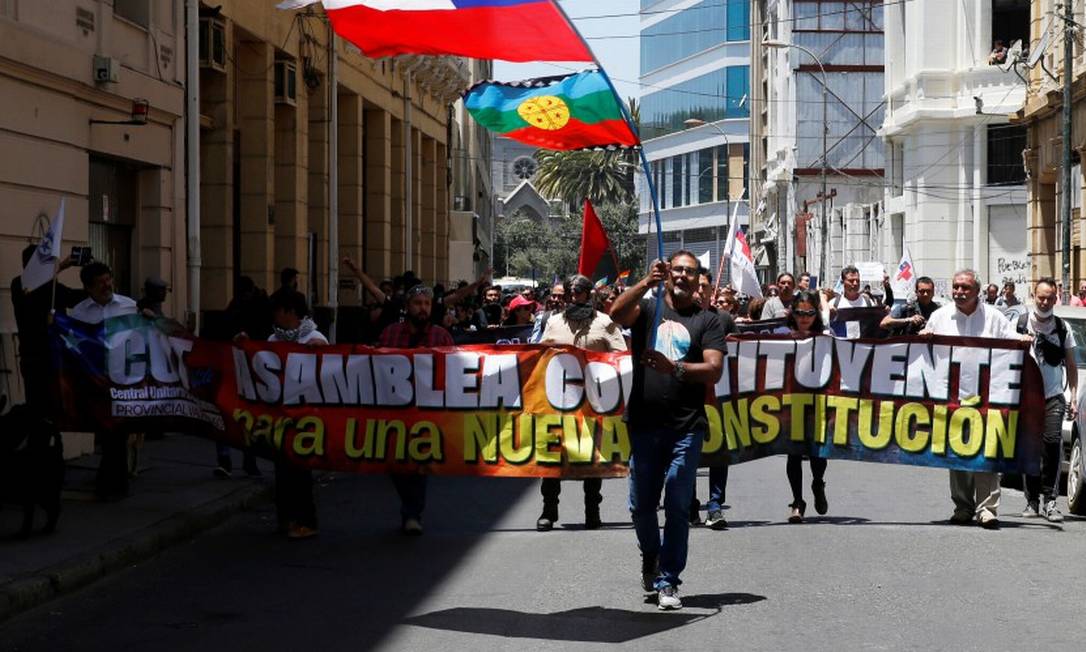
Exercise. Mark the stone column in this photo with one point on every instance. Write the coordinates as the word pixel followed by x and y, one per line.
pixel 441 214
pixel 217 187
pixel 428 213
pixel 378 139
pixel 397 163
pixel 155 257
pixel 291 188
pixel 318 116
pixel 351 143
pixel 255 64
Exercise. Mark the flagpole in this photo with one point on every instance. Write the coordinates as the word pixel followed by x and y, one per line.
pixel 645 167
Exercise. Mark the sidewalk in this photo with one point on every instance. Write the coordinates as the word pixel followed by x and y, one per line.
pixel 174 497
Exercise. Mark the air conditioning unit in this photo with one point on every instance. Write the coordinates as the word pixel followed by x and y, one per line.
pixel 106 69
pixel 212 44
pixel 286 82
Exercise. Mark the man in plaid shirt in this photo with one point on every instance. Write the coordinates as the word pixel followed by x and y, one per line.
pixel 414 332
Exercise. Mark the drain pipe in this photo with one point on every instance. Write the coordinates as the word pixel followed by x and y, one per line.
pixel 333 184
pixel 192 154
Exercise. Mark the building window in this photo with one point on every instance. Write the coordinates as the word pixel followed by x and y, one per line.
pixel 705 176
pixel 1005 145
pixel 738 20
pixel 524 168
pixel 723 183
pixel 897 169
pixel 738 91
pixel 746 170
pixel 710 97
pixel 1010 23
pixel 692 30
pixel 137 11
pixel 677 181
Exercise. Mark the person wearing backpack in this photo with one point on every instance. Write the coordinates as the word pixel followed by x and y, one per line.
pixel 1053 349
pixel 910 318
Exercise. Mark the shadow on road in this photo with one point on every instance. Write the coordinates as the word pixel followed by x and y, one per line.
pixel 584 625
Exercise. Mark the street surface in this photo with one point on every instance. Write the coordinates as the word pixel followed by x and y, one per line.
pixel 880 571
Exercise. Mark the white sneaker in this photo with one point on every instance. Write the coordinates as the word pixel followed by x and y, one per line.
pixel 1052 513
pixel 412 527
pixel 667 598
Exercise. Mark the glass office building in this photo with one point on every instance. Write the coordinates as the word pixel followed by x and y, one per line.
pixel 695 64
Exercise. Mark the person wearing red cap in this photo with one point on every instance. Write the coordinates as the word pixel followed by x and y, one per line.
pixel 521 311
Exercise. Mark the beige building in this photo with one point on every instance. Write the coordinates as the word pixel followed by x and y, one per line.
pixel 265 126
pixel 1043 157
pixel 63 65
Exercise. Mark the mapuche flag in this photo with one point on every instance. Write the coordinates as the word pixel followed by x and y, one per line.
pixel 567 112
pixel 511 30
pixel 598 261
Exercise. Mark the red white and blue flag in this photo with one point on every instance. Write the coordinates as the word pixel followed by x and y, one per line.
pixel 905 278
pixel 510 30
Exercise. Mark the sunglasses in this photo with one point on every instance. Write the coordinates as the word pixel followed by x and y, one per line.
pixel 804 313
pixel 684 270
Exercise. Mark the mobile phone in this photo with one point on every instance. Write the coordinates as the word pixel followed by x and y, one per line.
pixel 81 256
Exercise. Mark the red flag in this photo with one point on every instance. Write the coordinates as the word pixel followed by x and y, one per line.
pixel 597 258
pixel 511 30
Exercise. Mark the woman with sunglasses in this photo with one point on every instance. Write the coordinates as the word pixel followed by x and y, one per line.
pixel 805 320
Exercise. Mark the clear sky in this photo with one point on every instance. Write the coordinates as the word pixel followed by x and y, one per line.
pixel 600 21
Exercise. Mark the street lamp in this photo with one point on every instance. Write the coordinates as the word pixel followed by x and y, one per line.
pixel 772 43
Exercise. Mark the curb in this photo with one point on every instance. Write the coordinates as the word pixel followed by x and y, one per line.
pixel 43 585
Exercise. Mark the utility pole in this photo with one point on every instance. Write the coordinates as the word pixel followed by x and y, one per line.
pixel 1065 194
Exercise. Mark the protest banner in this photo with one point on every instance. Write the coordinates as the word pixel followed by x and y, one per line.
pixel 542 411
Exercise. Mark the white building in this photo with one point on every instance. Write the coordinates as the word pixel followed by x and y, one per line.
pixel 787 133
pixel 695 64
pixel 955 186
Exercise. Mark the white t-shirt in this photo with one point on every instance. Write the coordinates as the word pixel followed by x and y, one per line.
pixel 852 328
pixel 1053 376
pixel 90 311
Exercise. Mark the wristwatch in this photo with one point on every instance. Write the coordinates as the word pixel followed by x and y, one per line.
pixel 679 372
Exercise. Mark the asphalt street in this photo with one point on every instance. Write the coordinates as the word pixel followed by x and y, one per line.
pixel 880 571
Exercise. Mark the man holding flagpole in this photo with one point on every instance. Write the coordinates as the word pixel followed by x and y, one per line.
pixel 680 351
pixel 33 299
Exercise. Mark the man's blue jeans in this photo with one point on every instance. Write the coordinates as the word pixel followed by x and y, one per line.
pixel 718 487
pixel 668 462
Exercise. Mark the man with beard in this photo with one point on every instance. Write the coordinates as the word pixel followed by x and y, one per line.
pixel 680 350
pixel 416 331
pixel 490 314
pixel 582 326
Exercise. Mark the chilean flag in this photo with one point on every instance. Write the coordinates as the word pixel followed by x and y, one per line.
pixel 511 30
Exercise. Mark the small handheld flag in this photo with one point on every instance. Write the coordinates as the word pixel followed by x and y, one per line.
pixel 567 112
pixel 510 30
pixel 42 265
pixel 905 277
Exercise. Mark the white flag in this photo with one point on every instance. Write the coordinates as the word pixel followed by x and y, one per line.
pixel 744 276
pixel 704 259
pixel 42 265
pixel 904 279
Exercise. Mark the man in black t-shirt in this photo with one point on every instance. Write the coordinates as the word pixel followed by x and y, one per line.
pixel 678 352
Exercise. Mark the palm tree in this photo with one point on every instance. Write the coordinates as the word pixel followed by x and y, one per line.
pixel 602 176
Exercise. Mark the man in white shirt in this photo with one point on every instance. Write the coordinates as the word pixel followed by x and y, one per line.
pixel 974 494
pixel 851 298
pixel 1053 349
pixel 781 305
pixel 102 304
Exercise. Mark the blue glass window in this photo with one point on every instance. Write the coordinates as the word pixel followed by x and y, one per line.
pixel 684 34
pixel 713 96
pixel 738 20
